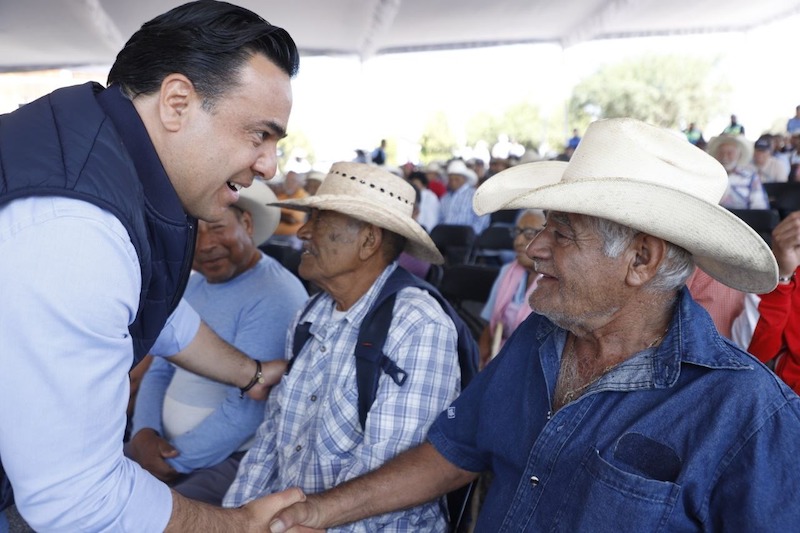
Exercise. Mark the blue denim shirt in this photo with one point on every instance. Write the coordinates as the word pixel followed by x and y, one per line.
pixel 694 435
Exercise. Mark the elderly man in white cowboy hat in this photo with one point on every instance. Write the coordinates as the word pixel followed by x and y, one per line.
pixel 745 189
pixel 190 431
pixel 616 406
pixel 360 221
pixel 456 204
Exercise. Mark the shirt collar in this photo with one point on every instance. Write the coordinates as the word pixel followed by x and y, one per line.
pixel 155 182
pixel 691 338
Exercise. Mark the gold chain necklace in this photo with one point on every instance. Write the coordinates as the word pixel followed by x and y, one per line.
pixel 570 395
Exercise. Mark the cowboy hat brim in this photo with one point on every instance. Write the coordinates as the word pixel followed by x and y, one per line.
pixel 722 244
pixel 418 242
pixel 257 200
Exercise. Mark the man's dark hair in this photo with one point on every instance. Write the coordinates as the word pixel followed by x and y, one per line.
pixel 208 42
pixel 419 175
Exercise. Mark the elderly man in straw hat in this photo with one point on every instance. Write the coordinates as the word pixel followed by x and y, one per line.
pixel 360 221
pixel 190 431
pixel 616 406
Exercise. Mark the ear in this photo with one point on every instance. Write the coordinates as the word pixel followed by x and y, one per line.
pixel 645 255
pixel 247 222
pixel 371 241
pixel 175 100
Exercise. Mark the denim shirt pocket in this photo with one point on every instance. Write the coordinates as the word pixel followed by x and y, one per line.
pixel 602 497
pixel 340 431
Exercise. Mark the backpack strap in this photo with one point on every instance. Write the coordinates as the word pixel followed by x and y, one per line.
pixel 370 359
pixel 302 332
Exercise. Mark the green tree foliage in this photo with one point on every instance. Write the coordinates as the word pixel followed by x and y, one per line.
pixel 667 90
pixel 438 141
pixel 522 122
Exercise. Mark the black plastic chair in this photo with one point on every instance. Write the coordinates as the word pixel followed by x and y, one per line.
pixel 467 288
pixel 454 241
pixel 493 245
pixel 761 220
pixel 504 216
pixel 784 197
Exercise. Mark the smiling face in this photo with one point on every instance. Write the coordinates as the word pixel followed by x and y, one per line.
pixel 579 283
pixel 225 249
pixel 210 153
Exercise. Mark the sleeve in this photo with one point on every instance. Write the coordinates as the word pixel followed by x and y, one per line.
pixel 261 334
pixel 745 323
pixel 65 351
pixel 758 195
pixel 178 332
pixel 421 341
pixel 486 312
pixel 150 399
pixel 774 311
pixel 768 455
pixel 259 467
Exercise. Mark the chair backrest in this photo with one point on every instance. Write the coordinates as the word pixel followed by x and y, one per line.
pixel 494 245
pixel 455 241
pixel 467 288
pixel 761 220
pixel 504 216
pixel 784 197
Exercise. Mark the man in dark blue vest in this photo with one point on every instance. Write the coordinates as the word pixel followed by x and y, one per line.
pixel 100 192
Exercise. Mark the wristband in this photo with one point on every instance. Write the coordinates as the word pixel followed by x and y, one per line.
pixel 257 378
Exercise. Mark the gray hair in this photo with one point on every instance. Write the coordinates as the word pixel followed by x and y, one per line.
pixel 673 271
pixel 530 211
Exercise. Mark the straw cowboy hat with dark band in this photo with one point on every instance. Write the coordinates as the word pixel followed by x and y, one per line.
pixel 256 200
pixel 651 180
pixel 373 195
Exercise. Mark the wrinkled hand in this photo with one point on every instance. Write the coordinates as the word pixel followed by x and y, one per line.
pixel 300 517
pixel 786 244
pixel 264 509
pixel 150 450
pixel 272 372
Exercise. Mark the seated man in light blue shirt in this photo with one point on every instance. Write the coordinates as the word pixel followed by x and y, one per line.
pixel 191 431
pixel 456 204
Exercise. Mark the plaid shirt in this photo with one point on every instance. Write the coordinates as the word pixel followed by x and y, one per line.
pixel 456 208
pixel 311 436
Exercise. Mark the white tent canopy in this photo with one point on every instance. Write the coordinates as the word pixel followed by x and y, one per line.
pixel 39 34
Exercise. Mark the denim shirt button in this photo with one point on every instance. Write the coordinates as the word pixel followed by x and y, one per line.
pixel 322 348
pixel 534 481
pixel 549 415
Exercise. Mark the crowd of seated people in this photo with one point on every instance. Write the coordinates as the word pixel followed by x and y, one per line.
pixel 764 324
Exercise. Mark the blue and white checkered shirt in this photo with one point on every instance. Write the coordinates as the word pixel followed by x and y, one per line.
pixel 311 436
pixel 456 208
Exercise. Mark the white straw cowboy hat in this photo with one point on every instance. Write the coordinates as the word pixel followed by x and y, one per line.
pixel 745 148
pixel 373 195
pixel 458 167
pixel 648 179
pixel 256 200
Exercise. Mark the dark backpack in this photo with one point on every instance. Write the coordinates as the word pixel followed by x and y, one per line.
pixel 371 361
